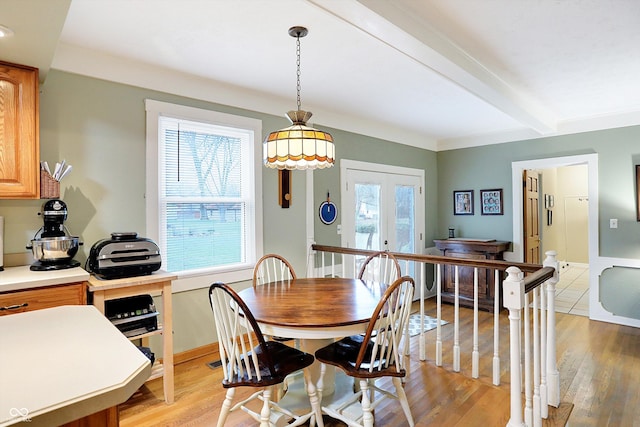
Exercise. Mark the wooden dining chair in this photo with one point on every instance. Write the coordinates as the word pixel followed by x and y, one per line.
pixel 375 355
pixel 381 267
pixel 248 360
pixel 272 268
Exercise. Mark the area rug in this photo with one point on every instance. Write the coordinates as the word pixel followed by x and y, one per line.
pixel 429 323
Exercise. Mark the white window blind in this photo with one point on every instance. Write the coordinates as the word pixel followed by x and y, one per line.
pixel 206 191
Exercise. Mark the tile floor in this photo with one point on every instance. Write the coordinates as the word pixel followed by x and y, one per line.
pixel 572 291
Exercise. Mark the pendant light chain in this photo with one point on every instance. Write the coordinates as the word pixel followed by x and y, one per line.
pixel 298 67
pixel 298 146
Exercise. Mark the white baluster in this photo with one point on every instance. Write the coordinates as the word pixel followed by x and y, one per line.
pixel 475 356
pixel 439 315
pixel 456 324
pixel 354 272
pixel 333 264
pixel 528 415
pixel 537 419
pixel 496 328
pixel 310 262
pixel 422 340
pixel 553 376
pixel 513 298
pixel 544 407
pixel 407 342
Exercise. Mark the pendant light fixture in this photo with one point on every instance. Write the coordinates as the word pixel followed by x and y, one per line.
pixel 298 146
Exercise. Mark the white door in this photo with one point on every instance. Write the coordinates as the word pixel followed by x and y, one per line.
pixel 383 210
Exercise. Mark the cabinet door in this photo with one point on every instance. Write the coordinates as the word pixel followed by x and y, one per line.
pixel 39 298
pixel 465 276
pixel 19 132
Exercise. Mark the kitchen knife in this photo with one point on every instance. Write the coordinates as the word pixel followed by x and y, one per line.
pixel 66 171
pixel 56 171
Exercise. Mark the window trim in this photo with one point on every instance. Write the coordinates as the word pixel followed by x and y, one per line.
pixel 154 109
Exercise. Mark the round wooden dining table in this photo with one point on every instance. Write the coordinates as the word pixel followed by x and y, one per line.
pixel 314 310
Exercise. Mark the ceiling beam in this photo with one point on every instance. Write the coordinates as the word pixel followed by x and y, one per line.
pixel 390 24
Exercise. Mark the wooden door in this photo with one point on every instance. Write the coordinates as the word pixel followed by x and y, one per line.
pixel 531 218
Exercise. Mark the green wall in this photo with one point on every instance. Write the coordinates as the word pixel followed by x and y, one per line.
pixel 490 167
pixel 99 128
pixel 365 149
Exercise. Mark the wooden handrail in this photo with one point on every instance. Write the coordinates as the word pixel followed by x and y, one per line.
pixel 537 278
pixel 531 281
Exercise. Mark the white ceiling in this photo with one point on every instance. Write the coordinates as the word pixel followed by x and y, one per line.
pixel 437 74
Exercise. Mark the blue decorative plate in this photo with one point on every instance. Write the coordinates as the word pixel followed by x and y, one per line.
pixel 328 212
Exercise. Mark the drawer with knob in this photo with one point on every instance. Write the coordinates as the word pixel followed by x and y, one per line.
pixel 43 297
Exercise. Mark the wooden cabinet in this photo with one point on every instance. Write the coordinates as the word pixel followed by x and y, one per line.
pixel 471 249
pixel 19 132
pixel 44 297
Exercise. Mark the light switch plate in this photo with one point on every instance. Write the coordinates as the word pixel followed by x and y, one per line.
pixel 613 223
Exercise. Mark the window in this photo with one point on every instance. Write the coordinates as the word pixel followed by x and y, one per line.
pixel 203 189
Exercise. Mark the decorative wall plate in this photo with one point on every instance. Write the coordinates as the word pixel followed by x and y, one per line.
pixel 328 211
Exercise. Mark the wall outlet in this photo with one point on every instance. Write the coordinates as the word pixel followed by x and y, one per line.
pixel 613 223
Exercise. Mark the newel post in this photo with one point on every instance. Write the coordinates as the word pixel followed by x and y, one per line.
pixel 553 375
pixel 513 300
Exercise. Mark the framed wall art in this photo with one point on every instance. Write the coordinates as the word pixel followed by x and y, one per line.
pixel 638 192
pixel 491 202
pixel 463 202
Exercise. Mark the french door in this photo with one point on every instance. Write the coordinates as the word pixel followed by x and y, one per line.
pixel 382 210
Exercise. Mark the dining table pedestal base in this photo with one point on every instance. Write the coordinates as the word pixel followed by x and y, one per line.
pixel 296 398
pixel 311 346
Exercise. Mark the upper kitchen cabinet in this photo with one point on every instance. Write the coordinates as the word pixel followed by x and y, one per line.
pixel 19 132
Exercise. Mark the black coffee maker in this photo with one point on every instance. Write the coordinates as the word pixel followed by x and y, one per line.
pixel 53 247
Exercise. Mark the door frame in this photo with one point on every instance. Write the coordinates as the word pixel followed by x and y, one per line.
pixel 596 311
pixel 518 168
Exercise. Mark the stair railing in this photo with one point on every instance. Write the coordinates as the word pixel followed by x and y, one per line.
pixel 528 293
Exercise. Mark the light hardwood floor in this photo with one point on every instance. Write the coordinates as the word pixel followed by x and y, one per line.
pixel 599 366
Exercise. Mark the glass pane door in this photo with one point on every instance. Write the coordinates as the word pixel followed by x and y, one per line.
pixel 405 219
pixel 380 212
pixel 367 216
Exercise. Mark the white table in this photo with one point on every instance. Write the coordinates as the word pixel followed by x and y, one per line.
pixel 64 363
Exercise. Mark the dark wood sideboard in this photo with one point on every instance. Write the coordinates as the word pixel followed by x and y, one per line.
pixel 471 249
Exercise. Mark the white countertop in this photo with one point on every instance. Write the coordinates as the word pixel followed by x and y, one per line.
pixel 63 363
pixel 18 278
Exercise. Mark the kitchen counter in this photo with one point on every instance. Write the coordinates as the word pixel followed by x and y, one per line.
pixel 64 363
pixel 18 278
